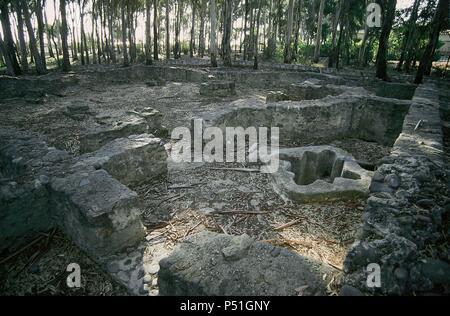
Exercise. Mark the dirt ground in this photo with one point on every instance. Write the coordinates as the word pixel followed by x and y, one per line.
pixel 193 198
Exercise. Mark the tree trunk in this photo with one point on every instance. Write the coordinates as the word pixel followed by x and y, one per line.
pixel 227 32
pixel 126 61
pixel 334 49
pixel 288 40
pixel 111 35
pixel 167 30
pixel 40 69
pixel 201 39
pixel 49 42
pixel 256 43
pixel 412 37
pixel 155 30
pixel 389 15
pixel 65 46
pixel 22 43
pixel 179 14
pixel 319 32
pixel 148 34
pixel 40 22
pixel 192 40
pixel 9 48
pixel 6 57
pixel 298 22
pixel 213 41
pixel 440 22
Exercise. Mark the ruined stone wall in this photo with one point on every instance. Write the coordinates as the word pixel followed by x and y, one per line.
pixel 404 212
pixel 368 118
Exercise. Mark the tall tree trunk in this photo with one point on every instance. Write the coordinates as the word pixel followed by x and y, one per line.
pixel 246 39
pixel 49 41
pixel 228 11
pixel 73 35
pixel 148 33
pixel 65 46
pixel 412 37
pixel 126 61
pixel 40 22
pixel 9 47
pixel 389 15
pixel 6 57
pixel 167 30
pixel 22 43
pixel 40 69
pixel 256 43
pixel 319 32
pixel 288 40
pixel 440 22
pixel 111 35
pixel 192 40
pixel 298 22
pixel 155 30
pixel 212 38
pixel 334 56
pixel 201 39
pixel 179 14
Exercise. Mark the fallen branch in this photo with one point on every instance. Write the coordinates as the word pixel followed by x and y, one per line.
pixel 240 212
pixel 237 169
pixel 185 186
pixel 291 223
pixel 18 252
pixel 172 198
pixel 190 230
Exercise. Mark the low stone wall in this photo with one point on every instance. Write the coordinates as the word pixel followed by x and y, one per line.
pixel 33 87
pixel 404 212
pixel 350 114
pixel 82 196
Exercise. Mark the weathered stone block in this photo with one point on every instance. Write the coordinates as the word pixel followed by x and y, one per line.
pixel 130 160
pixel 104 134
pixel 217 88
pixel 320 172
pixel 99 213
pixel 223 265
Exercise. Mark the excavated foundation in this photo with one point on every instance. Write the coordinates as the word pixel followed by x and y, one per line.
pixel 320 173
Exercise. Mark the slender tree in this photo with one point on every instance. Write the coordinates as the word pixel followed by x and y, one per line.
pixel 213 40
pixel 126 61
pixel 40 69
pixel 256 44
pixel 167 30
pixel 9 48
pixel 148 33
pixel 64 30
pixel 389 15
pixel 288 40
pixel 440 22
pixel 155 30
pixel 411 39
pixel 41 31
pixel 319 32
pixel 22 43
pixel 227 29
pixel 201 39
pixel 192 40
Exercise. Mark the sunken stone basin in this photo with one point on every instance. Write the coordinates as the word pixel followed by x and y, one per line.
pixel 320 173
